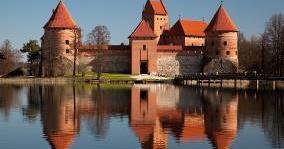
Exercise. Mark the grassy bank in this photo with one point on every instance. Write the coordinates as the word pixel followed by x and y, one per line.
pixel 88 78
pixel 104 76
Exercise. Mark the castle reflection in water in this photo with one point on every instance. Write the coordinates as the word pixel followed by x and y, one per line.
pixel 155 113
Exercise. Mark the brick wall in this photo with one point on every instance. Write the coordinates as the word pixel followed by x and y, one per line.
pixel 113 61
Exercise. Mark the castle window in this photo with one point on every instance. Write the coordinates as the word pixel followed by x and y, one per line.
pixel 225 43
pixel 67 42
pixel 144 47
pixel 228 52
pixel 217 52
pixel 67 51
pixel 212 44
pixel 161 27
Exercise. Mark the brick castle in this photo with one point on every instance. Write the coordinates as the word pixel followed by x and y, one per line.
pixel 155 47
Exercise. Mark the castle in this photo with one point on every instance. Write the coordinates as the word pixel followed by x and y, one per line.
pixel 155 47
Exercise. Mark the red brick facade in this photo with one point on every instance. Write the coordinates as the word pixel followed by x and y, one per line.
pixel 151 41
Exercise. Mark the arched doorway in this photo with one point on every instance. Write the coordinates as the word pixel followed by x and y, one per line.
pixel 144 67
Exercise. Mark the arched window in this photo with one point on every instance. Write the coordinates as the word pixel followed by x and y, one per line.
pixel 225 43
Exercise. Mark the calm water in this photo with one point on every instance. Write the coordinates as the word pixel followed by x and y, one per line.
pixel 141 116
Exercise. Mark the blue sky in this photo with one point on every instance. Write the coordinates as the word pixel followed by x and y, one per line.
pixel 22 20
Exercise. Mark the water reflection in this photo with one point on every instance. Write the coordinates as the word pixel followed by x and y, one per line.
pixel 160 116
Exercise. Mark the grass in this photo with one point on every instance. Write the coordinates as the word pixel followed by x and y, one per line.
pixel 105 76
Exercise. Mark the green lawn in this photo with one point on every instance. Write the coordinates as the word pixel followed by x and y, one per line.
pixel 104 76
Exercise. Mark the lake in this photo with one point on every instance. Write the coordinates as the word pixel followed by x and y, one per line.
pixel 153 116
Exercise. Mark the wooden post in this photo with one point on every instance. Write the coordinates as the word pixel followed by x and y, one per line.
pixel 274 85
pixel 209 83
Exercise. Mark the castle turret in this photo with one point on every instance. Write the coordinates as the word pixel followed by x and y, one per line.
pixel 155 13
pixel 143 49
pixel 222 40
pixel 58 42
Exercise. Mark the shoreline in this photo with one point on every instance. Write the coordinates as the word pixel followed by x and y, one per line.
pixel 264 85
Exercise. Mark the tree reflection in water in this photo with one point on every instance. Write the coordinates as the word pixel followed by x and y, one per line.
pixel 154 112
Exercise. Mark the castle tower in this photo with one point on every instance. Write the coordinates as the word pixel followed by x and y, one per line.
pixel 59 117
pixel 143 49
pixel 155 13
pixel 58 42
pixel 221 118
pixel 222 38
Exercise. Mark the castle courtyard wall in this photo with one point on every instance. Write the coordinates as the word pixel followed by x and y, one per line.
pixel 179 63
pixel 112 61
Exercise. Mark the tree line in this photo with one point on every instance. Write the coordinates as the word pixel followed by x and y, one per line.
pixel 264 53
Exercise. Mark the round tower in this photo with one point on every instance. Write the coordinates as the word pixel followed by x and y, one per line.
pixel 222 43
pixel 61 34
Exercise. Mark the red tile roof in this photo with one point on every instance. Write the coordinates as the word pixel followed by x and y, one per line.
pixel 221 22
pixel 155 6
pixel 189 28
pixel 60 140
pixel 61 18
pixel 143 30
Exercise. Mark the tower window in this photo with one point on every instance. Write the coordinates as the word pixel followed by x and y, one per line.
pixel 228 52
pixel 217 52
pixel 161 27
pixel 67 51
pixel 67 42
pixel 212 44
pixel 144 47
pixel 225 43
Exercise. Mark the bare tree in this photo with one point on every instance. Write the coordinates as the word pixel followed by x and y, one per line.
pixel 100 37
pixel 11 57
pixel 76 42
pixel 274 30
pixel 249 53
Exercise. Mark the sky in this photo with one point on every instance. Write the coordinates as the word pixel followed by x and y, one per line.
pixel 22 20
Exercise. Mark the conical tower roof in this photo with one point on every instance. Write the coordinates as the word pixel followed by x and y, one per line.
pixel 221 22
pixel 61 18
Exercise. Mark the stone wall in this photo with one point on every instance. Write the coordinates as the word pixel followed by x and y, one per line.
pixel 179 63
pixel 113 61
